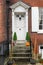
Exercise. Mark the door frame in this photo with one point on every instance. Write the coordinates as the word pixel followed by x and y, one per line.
pixel 20 25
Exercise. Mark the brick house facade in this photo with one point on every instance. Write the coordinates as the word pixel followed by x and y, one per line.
pixel 6 23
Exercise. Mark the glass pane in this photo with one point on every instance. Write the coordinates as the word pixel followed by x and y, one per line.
pixel 40 26
pixel 41 18
pixel 22 15
pixel 17 15
pixel 41 47
pixel 40 22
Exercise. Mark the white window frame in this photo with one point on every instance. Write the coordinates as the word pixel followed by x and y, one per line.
pixel 40 30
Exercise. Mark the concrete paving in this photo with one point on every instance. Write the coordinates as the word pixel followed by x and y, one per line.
pixel 39 64
pixel 2 58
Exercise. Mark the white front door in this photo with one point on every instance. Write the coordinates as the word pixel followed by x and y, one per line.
pixel 20 26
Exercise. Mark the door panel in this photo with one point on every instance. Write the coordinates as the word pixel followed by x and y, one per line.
pixel 20 34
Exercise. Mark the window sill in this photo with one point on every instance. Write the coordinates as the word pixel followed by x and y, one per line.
pixel 40 31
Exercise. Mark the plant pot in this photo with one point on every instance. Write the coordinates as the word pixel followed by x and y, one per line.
pixel 10 62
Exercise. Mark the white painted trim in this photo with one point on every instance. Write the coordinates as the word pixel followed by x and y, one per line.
pixel 35 19
pixel 19 10
pixel 13 20
pixel 27 20
pixel 39 31
pixel 13 23
pixel 18 4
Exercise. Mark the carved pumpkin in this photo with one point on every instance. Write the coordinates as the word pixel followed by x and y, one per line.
pixel 27 43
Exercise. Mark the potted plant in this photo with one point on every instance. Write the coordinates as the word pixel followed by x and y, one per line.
pixel 10 62
pixel 15 37
pixel 28 39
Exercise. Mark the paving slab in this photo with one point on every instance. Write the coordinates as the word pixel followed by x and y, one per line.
pixel 2 58
pixel 38 64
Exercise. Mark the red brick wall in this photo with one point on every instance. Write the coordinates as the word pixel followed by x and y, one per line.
pixel 31 2
pixel 38 39
pixel 2 21
pixel 34 2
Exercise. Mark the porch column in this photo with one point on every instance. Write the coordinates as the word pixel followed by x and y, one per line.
pixel 13 22
pixel 26 20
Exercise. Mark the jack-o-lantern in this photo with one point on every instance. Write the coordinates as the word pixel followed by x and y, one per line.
pixel 27 43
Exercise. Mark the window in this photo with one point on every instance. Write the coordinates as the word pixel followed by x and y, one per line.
pixel 40 18
pixel 41 47
pixel 20 16
pixel 17 15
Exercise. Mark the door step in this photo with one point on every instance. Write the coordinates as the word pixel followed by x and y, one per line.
pixel 20 57
pixel 21 41
pixel 21 53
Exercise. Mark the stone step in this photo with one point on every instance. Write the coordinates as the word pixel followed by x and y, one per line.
pixel 20 57
pixel 21 47
pixel 20 41
pixel 21 53
pixel 20 44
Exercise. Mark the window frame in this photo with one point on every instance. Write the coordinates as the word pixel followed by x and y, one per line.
pixel 40 30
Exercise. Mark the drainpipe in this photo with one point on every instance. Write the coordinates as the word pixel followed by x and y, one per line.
pixel 7 22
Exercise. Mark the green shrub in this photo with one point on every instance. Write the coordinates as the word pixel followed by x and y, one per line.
pixel 28 37
pixel 15 36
